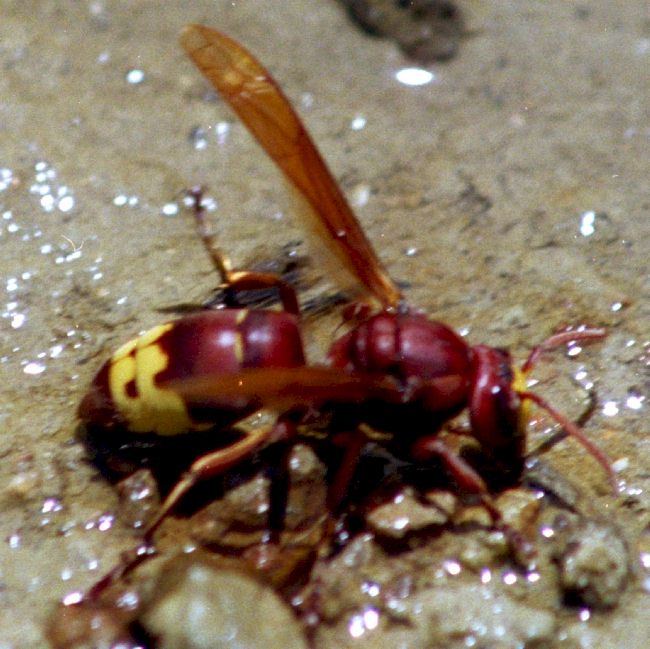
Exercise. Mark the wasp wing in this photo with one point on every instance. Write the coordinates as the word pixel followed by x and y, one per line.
pixel 284 389
pixel 261 105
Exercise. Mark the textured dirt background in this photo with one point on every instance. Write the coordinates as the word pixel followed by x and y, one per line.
pixel 476 188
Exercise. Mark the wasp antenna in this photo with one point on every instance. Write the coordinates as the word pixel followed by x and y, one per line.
pixel 575 431
pixel 559 339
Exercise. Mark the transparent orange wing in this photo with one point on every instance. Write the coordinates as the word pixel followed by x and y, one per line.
pixel 261 105
pixel 283 389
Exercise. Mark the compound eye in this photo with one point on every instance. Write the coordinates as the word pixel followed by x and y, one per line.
pixel 494 405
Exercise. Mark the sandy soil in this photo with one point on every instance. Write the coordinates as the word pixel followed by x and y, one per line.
pixel 511 192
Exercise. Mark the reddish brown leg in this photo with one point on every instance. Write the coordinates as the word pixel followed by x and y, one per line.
pixel 212 464
pixel 208 465
pixel 354 443
pixel 464 475
pixel 129 561
pixel 238 280
pixel 470 482
pixel 219 259
pixel 245 280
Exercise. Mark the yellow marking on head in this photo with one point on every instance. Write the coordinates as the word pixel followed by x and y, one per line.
pixel 241 316
pixel 152 409
pixel 519 385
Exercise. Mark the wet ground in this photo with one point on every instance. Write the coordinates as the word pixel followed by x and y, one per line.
pixel 510 191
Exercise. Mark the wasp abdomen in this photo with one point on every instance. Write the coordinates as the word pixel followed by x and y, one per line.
pixel 129 390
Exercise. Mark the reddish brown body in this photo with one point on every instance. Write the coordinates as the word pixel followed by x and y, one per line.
pixel 395 368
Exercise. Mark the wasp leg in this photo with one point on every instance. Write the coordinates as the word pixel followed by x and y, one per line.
pixel 353 445
pixel 471 482
pixel 237 280
pixel 212 464
pixel 129 561
pixel 248 280
pixel 219 259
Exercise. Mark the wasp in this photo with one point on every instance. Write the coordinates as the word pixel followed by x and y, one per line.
pixel 395 370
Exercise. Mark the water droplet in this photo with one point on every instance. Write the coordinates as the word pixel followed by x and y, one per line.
pixel 509 578
pixel 75 597
pixel 34 368
pixel 222 131
pixel 635 401
pixel 414 76
pixel 128 599
pixel 547 532
pixel 47 202
pixel 452 567
pixel 66 203
pixel 610 409
pixel 621 464
pixel 15 541
pixel 105 522
pixel 170 209
pixel 361 195
pixel 362 622
pixel 122 199
pixel 18 320
pixel 135 76
pixel 587 223
pixel 6 178
pixel 198 138
pixel 55 351
pixel 371 588
pixel 51 505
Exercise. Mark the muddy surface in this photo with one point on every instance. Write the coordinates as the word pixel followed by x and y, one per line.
pixel 510 193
